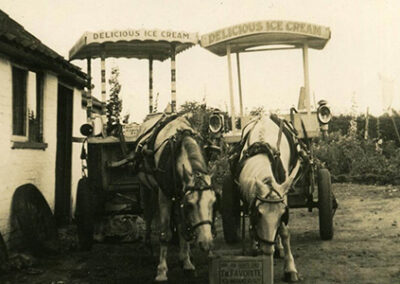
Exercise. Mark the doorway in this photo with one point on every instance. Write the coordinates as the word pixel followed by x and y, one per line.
pixel 62 207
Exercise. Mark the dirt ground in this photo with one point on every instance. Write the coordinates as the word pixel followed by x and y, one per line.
pixel 365 249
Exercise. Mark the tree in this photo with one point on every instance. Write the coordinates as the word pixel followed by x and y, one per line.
pixel 258 111
pixel 114 104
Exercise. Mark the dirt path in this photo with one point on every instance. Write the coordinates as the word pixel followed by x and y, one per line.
pixel 365 249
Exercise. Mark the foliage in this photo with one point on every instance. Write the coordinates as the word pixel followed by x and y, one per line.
pixel 379 127
pixel 345 152
pixel 200 114
pixel 257 111
pixel 114 104
pixel 350 158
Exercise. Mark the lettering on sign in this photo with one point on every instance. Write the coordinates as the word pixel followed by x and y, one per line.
pixel 265 26
pixel 131 130
pixel 140 35
pixel 240 272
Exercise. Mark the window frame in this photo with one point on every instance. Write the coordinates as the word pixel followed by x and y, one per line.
pixel 15 137
pixel 24 141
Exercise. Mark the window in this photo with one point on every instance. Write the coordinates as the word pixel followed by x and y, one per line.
pixel 19 78
pixel 35 111
pixel 27 103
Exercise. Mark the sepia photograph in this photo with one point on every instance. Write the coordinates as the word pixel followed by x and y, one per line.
pixel 201 142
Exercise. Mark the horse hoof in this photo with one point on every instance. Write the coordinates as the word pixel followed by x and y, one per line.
pixel 190 273
pixel 291 277
pixel 161 279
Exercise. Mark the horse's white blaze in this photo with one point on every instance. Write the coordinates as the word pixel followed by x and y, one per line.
pixel 202 204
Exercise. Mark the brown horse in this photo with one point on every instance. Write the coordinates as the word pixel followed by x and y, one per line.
pixel 265 162
pixel 176 173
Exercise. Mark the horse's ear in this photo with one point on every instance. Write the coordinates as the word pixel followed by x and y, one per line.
pixel 289 180
pixel 186 176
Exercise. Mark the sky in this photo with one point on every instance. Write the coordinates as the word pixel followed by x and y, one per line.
pixel 363 51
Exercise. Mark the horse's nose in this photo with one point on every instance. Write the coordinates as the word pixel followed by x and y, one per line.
pixel 206 245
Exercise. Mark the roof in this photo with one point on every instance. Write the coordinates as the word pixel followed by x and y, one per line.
pixel 132 43
pixel 22 46
pixel 262 33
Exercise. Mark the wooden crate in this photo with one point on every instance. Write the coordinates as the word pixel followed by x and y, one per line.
pixel 231 269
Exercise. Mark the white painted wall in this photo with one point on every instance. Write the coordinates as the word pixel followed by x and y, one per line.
pixel 21 166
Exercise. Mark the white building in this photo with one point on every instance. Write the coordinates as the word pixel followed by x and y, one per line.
pixel 41 111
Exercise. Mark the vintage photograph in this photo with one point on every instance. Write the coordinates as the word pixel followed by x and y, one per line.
pixel 207 142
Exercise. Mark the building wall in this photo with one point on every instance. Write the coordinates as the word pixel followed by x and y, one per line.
pixel 21 166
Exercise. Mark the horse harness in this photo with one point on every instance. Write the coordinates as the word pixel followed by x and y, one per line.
pixel 277 169
pixel 167 178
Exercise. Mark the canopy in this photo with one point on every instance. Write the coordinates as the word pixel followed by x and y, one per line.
pixel 261 33
pixel 132 43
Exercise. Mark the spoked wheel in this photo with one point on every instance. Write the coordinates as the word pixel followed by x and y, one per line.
pixel 84 214
pixel 325 205
pixel 230 211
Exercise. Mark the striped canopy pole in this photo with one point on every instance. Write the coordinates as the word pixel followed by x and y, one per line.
pixel 306 78
pixel 150 84
pixel 239 87
pixel 89 102
pixel 228 56
pixel 103 84
pixel 173 79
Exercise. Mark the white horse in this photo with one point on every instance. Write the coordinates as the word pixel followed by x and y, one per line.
pixel 264 182
pixel 181 180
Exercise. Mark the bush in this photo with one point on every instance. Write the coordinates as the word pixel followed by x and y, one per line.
pixel 350 158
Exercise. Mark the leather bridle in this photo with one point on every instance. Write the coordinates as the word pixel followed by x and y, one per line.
pixel 188 232
pixel 254 214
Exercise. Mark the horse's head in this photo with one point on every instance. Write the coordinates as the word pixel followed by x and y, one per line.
pixel 198 202
pixel 269 209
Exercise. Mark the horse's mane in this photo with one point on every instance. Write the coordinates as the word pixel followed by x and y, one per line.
pixel 194 153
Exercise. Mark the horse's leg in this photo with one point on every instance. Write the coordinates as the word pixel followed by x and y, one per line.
pixel 165 235
pixel 184 253
pixel 290 271
pixel 147 204
pixel 279 252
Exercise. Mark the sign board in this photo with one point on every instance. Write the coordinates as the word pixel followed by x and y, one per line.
pixel 143 41
pixel 250 28
pixel 131 130
pixel 241 270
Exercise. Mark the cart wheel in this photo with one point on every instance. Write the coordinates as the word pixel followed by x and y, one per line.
pixel 34 218
pixel 84 214
pixel 325 202
pixel 230 211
